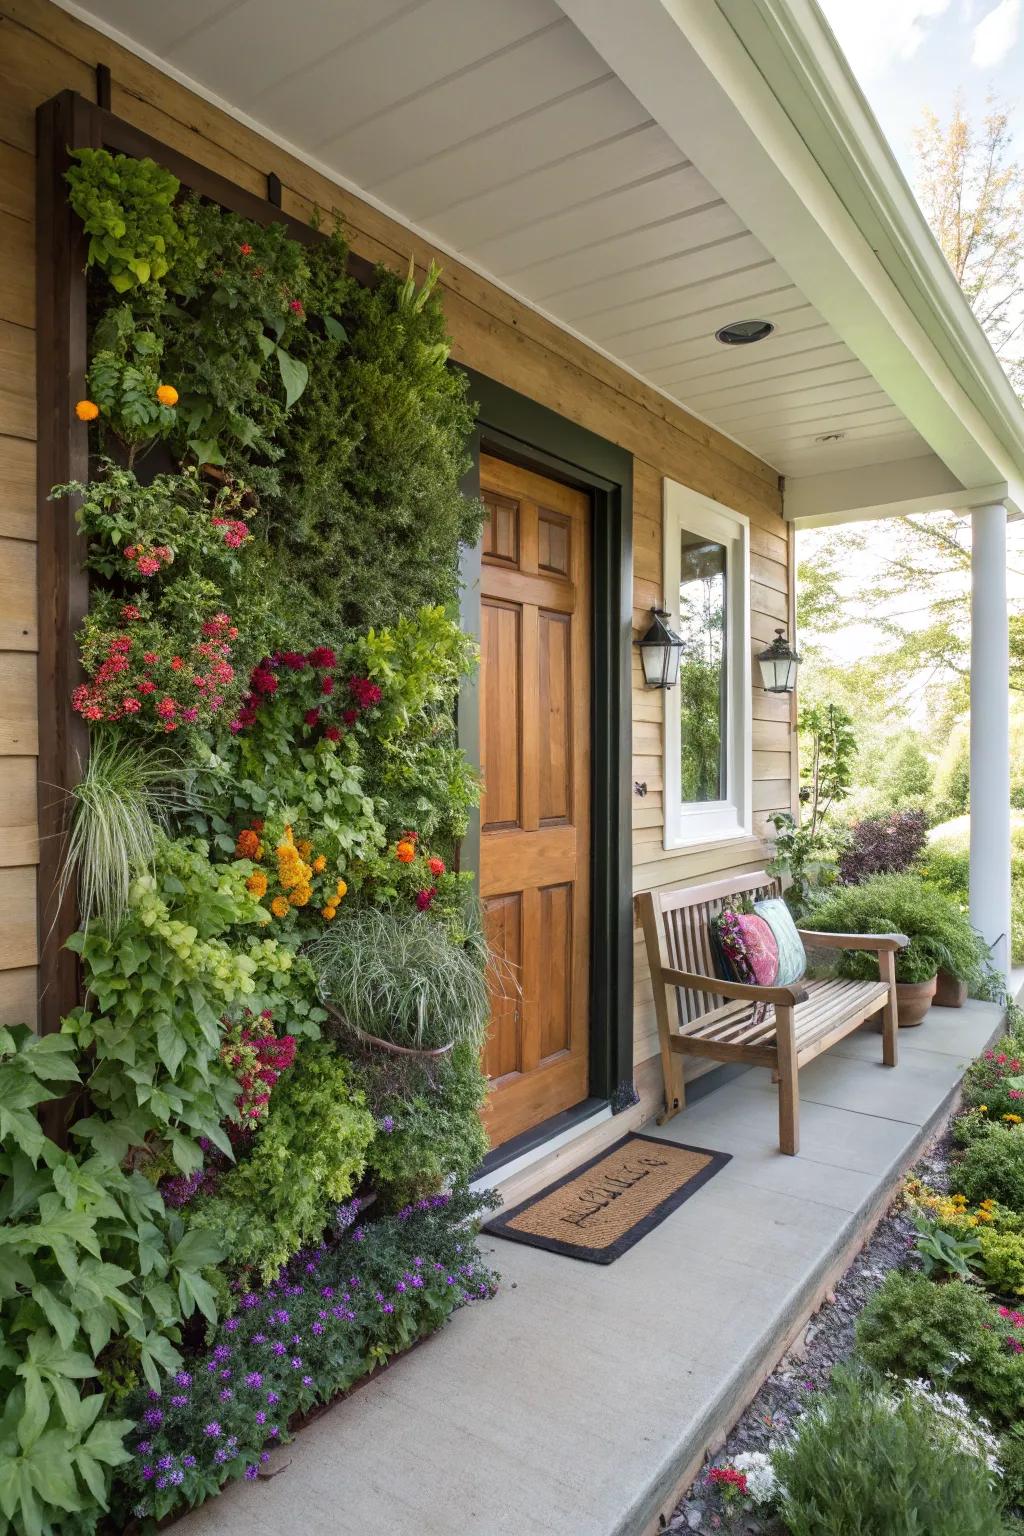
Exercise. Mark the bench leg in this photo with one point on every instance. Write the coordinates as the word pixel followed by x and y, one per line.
pixel 675 1093
pixel 789 1082
pixel 890 1022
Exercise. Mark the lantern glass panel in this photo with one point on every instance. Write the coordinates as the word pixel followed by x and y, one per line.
pixel 703 679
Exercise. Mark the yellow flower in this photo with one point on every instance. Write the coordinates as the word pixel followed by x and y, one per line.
pixel 342 889
pixel 256 884
pixel 87 410
pixel 319 864
pixel 983 1109
pixel 279 907
pixel 305 847
pixel 328 912
pixel 167 394
pixel 1012 1119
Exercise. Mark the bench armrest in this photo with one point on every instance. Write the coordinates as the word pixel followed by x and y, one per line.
pixel 878 942
pixel 785 997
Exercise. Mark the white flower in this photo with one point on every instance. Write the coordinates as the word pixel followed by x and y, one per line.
pixel 762 1484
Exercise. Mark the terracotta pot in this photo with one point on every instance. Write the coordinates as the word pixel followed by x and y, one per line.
pixel 913 999
pixel 950 991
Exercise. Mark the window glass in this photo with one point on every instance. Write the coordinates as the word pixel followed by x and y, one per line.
pixel 703 690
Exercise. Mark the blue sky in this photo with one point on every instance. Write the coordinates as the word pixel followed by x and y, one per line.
pixel 912 54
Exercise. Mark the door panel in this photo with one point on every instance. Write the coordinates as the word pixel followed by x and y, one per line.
pixel 535 813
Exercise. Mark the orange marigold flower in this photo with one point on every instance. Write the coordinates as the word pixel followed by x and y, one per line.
pixel 405 852
pixel 305 847
pixel 342 889
pixel 87 410
pixel 328 912
pixel 247 844
pixel 167 394
pixel 279 907
pixel 300 896
pixel 319 864
pixel 256 884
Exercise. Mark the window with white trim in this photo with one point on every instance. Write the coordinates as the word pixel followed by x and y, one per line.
pixel 708 714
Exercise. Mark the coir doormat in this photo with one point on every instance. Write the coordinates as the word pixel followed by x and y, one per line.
pixel 599 1211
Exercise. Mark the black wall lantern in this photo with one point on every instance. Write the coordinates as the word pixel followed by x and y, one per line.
pixel 660 650
pixel 778 665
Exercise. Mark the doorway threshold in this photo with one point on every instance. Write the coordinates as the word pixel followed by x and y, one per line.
pixel 529 1147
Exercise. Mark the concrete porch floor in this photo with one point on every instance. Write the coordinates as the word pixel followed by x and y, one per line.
pixel 572 1403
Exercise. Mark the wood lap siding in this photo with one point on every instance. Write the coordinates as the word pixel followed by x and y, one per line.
pixel 44 50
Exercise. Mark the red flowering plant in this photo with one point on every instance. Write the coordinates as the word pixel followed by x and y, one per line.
pixel 310 695
pixel 256 1056
pixel 994 1083
pixel 410 874
pixel 143 675
pixel 144 536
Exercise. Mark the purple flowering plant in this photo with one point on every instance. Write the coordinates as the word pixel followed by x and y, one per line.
pixel 334 1314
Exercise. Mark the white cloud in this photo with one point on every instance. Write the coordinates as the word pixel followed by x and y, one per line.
pixel 875 34
pixel 996 34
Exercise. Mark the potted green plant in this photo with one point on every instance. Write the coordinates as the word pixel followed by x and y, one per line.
pixel 939 933
pixel 403 982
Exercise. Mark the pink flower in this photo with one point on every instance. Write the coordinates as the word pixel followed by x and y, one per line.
pixel 425 899
pixel 327 685
pixel 131 706
pixel 166 707
pixel 147 566
pixel 312 717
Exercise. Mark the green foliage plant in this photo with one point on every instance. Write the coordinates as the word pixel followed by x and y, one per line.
pixel 401 977
pixel 805 858
pixel 429 1131
pixel 124 376
pixel 946 865
pixel 951 1334
pixel 188 952
pixel 1011 1461
pixel 1002 1261
pixel 410 744
pixel 939 933
pixel 126 206
pixel 871 1457
pixel 307 1158
pixel 91 1265
pixel 828 754
pixel 942 1253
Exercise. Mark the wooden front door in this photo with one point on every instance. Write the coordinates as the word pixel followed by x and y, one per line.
pixel 535 813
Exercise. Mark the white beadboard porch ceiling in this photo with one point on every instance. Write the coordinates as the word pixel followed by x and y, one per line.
pixel 497 129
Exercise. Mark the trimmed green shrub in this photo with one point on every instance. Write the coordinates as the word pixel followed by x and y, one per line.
pixel 946 865
pixel 991 1164
pixel 939 933
pixel 373 457
pixel 951 1333
pixel 872 1460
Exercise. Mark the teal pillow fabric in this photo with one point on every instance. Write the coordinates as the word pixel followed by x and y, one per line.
pixel 792 955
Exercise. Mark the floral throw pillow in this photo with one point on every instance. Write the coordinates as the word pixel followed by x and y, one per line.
pixel 789 945
pixel 746 948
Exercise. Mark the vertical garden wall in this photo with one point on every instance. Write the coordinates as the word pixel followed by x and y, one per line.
pixel 232 1174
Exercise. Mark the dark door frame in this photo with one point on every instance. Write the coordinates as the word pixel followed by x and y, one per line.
pixel 511 426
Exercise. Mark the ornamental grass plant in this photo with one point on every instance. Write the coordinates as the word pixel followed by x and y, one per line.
pixel 402 978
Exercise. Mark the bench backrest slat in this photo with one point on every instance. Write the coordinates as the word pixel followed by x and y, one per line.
pixel 686 916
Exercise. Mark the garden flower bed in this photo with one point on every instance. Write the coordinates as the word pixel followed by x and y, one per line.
pixel 248 1185
pixel 899 1407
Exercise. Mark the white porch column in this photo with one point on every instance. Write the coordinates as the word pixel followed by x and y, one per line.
pixel 990 732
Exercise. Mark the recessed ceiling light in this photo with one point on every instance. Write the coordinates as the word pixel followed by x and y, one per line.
pixel 740 333
pixel 830 437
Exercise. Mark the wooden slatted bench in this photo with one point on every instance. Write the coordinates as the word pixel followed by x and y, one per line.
pixel 778 1027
